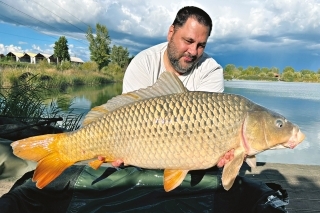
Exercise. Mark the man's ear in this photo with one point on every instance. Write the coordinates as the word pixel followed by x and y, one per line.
pixel 170 32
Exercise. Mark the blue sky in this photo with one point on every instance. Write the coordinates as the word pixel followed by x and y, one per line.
pixel 264 33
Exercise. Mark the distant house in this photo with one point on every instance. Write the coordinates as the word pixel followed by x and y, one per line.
pixel 276 75
pixel 53 59
pixel 34 58
pixel 42 57
pixel 76 60
pixel 21 57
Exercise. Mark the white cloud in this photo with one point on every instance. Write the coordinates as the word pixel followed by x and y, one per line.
pixel 4 49
pixel 150 18
pixel 237 25
pixel 36 48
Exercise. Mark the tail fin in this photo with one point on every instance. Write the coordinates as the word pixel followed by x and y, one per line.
pixel 42 149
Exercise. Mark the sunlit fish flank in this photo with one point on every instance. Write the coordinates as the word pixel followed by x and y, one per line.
pixel 164 127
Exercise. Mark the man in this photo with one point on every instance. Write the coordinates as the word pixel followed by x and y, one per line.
pixel 183 55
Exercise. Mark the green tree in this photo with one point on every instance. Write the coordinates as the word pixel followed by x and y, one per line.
pixel 240 69
pixel 305 72
pixel 229 69
pixel 61 49
pixel 265 70
pixel 288 74
pixel 297 75
pixel 275 70
pixel 120 56
pixel 250 71
pixel 288 70
pixel 99 45
pixel 113 71
pixel 257 70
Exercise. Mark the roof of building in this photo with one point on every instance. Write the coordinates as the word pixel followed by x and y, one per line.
pixel 31 54
pixel 75 59
pixel 19 55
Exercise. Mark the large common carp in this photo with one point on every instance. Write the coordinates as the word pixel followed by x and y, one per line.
pixel 164 127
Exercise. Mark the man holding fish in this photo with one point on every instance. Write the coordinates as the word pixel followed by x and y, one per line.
pixel 182 55
pixel 172 116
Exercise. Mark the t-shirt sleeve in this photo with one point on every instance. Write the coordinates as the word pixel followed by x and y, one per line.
pixel 213 81
pixel 210 76
pixel 136 75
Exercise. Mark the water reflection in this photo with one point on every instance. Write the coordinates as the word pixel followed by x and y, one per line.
pixel 86 97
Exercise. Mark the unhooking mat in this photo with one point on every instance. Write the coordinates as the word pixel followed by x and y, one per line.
pixel 80 189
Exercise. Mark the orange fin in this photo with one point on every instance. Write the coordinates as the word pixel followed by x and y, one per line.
pixel 45 151
pixel 34 148
pixel 95 164
pixel 172 178
pixel 48 169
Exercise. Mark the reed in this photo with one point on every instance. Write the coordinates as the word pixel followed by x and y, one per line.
pixel 53 78
pixel 25 98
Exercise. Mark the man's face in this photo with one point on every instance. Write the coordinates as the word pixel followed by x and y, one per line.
pixel 186 45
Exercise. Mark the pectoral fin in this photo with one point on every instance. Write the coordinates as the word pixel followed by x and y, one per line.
pixel 251 161
pixel 95 164
pixel 231 169
pixel 173 178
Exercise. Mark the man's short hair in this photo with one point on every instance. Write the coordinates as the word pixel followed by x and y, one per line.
pixel 190 11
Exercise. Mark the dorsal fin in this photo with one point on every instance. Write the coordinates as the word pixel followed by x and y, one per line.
pixel 168 83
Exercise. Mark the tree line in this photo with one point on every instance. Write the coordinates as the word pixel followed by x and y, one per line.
pixel 110 60
pixel 288 74
pixel 113 61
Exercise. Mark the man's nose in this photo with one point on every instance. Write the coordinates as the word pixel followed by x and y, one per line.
pixel 193 49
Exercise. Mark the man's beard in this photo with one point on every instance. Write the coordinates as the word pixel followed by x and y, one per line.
pixel 174 60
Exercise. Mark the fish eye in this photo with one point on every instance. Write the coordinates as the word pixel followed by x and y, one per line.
pixel 279 123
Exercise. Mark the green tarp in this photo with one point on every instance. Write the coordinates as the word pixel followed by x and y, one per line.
pixel 81 189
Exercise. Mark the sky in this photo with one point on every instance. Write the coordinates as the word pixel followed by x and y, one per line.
pixel 263 33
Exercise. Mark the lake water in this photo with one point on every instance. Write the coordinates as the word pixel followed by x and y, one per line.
pixel 298 102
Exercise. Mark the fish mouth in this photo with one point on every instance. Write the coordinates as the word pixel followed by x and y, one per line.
pixel 296 138
pixel 279 146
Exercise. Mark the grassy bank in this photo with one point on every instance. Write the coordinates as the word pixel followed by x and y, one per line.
pixel 25 90
pixel 54 76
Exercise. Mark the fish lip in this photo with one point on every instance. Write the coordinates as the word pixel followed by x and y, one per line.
pixel 290 145
pixel 296 138
pixel 279 146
